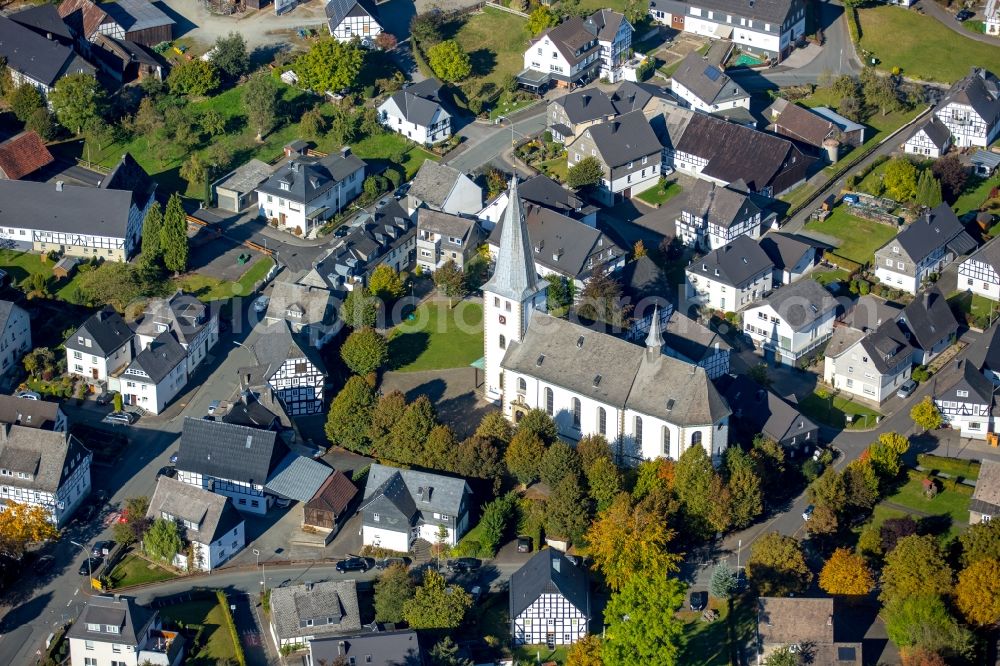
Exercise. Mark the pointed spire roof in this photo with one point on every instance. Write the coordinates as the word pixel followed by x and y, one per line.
pixel 654 339
pixel 515 276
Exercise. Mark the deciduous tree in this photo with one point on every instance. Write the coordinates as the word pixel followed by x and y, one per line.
pixel 436 605
pixel 900 179
pixel 409 435
pixel 386 414
pixel 260 98
pixel 642 627
pixel 365 350
pixel 449 61
pixel 350 414
pixel 695 488
pixel 538 422
pixel 229 55
pixel 450 279
pixel 922 621
pixel 925 414
pixel 152 229
pixel 559 462
pixel 886 455
pixel 439 449
pixel 592 447
pixel 846 574
pixel 861 484
pixel 524 457
pixel 313 123
pixel 193 77
pixel 604 482
pixel 394 587
pixel 953 175
pixel 385 41
pixel 981 541
pixel 586 652
pixel 915 566
pixel 601 299
pixel 496 520
pixel 75 99
pixel 445 651
pixel 426 28
pixel 163 540
pixel 40 122
pixel 894 529
pixel 385 283
pixel 359 309
pixel 777 567
pixel 329 65
pixel 24 524
pixel 585 173
pixel 977 594
pixel 566 510
pixel 479 458
pixel 193 170
pixel 829 490
pixel 541 19
pixel 495 426
pixel 746 498
pixel 173 235
pixel 24 100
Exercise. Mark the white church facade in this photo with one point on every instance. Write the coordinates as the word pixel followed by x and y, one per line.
pixel 646 404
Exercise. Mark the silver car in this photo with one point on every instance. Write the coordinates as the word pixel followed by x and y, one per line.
pixel 907 389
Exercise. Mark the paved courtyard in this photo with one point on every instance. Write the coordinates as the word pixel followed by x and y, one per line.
pixel 455 394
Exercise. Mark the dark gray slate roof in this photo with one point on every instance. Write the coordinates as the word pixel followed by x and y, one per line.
pixel 44 19
pixel 247 177
pixel 392 648
pixel 338 10
pixel 624 139
pixel 973 381
pixel 445 224
pixel 30 53
pixel 130 618
pixel 274 345
pixel 783 250
pixel 365 245
pixel 45 455
pixel 310 177
pixel 213 514
pixel 158 359
pixel 934 229
pixel 929 319
pixel 227 451
pixel 442 494
pixel 544 191
pixel 136 15
pixel 28 413
pixel 707 81
pixel 298 478
pixel 181 314
pixel 107 331
pixel 586 105
pixel 766 11
pixel 642 278
pixel 632 96
pixel 936 131
pixel 801 303
pixel 732 264
pixel 570 37
pixel 888 347
pixel 723 206
pixel 605 23
pixel 418 102
pixel 549 572
pixel 332 605
pixel 614 372
pixel 692 340
pixel 763 410
pixel 980 90
pixel 870 312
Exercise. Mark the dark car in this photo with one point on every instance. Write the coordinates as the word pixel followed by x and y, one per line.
pixel 168 471
pixel 964 15
pixel 105 397
pixel 698 600
pixel 88 569
pixel 524 544
pixel 387 562
pixel 120 418
pixel 463 564
pixel 352 564
pixel 102 548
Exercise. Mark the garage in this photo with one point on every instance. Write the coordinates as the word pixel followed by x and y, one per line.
pixel 237 190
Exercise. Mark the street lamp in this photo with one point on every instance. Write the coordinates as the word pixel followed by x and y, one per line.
pixel 90 571
pixel 512 130
pixel 253 354
pixel 257 555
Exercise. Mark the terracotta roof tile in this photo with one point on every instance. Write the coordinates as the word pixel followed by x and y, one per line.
pixel 23 154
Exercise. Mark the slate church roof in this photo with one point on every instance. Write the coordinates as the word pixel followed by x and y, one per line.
pixel 514 276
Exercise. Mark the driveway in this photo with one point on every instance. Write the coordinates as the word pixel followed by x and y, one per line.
pixel 260 29
pixel 938 12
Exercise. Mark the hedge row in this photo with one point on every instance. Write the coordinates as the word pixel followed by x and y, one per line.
pixel 840 262
pixel 853 24
pixel 241 658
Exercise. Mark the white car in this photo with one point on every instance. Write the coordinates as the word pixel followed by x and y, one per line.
pixel 260 305
pixel 28 395
pixel 808 513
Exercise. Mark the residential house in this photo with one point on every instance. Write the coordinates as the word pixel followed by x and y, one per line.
pixel 388 237
pixel 156 375
pixel 230 460
pixel 564 247
pixel 214 530
pixel 569 115
pixel 929 324
pixel 649 98
pixel 803 624
pixel 303 613
pixel 703 86
pixel 116 630
pixel 870 363
pixel 403 505
pixel 614 36
pixel 792 322
pixel 103 222
pixel 760 410
pixel 921 249
pixel 992 16
pixel 385 648
pixel 542 191
pixel 237 190
pixel 932 139
pixel 985 503
pixel 810 128
pixel 291 369
pixel 190 321
pixel 442 237
pixel 714 215
pixel 101 347
pixel 348 19
pixel 42 468
pixel 686 339
pixel 731 277
pixel 565 56
pixel 980 273
pixel 968 404
pixel 418 113
pixel 40 414
pixel 971 109
pixel 23 155
pixel 327 510
pixel 309 311
pixel 443 188
pixel 257 408
pixel 36 61
pixel 791 256
pixel 549 601
pixel 45 21
pixel 15 335
pixel 711 148
pixel 768 28
pixel 138 21
pixel 306 191
pixel 628 151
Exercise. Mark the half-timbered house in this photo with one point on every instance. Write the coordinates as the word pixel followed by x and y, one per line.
pixel 932 139
pixel 45 469
pixel 549 601
pixel 967 405
pixel 292 369
pixel 714 215
pixel 971 109
pixel 980 273
pixel 348 19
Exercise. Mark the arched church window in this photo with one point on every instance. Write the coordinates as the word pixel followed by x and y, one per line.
pixel 576 413
pixel 549 401
pixel 522 385
pixel 696 437
pixel 602 421
pixel 638 431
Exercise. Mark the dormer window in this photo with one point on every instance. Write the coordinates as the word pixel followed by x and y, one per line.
pixel 111 629
pixel 93 627
pixel 962 394
pixel 283 186
pixel 895 249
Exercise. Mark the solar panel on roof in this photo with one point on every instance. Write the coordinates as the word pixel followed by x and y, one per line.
pixel 846 654
pixel 712 73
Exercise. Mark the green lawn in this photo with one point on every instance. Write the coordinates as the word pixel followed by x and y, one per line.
pixel 531 654
pixel 820 409
pixel 217 644
pixel 133 570
pixel 973 305
pixel 834 275
pixel 712 643
pixel 19 265
pixel 384 146
pixel 505 108
pixel 953 505
pixel 495 42
pixel 438 337
pixel 967 469
pixel 661 193
pixel 920 45
pixel 859 238
pixel 976 194
pixel 555 168
pixel 799 195
pixel 211 289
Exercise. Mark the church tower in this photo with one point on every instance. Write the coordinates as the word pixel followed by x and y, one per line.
pixel 511 294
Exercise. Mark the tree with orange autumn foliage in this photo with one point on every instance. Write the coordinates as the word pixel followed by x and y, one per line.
pixel 977 594
pixel 846 574
pixel 922 657
pixel 22 524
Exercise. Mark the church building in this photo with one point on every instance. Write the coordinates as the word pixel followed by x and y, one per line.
pixel 646 404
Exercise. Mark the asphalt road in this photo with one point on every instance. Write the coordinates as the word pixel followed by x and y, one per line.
pixel 490 147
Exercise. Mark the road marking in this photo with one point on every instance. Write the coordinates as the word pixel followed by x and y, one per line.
pixel 76 592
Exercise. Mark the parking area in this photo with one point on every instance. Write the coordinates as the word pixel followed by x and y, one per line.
pixel 219 257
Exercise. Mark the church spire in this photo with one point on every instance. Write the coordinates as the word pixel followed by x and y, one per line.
pixel 654 339
pixel 515 276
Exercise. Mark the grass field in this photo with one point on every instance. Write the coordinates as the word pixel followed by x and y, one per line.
pixel 920 45
pixel 661 194
pixel 133 570
pixel 438 337
pixel 555 168
pixel 495 43
pixel 946 514
pixel 19 265
pixel 712 643
pixel 799 195
pixel 859 238
pixel 976 194
pixel 820 409
pixel 973 305
pixel 540 654
pixel 826 277
pixel 217 645
pixel 211 289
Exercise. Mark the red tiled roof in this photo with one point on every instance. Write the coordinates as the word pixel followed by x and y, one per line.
pixel 23 154
pixel 88 19
pixel 334 495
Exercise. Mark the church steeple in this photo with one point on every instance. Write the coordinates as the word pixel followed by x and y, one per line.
pixel 654 339
pixel 515 276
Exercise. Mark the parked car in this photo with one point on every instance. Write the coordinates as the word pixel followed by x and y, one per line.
pixel 102 548
pixel 808 513
pixel 120 418
pixel 352 564
pixel 387 562
pixel 260 305
pixel 464 564
pixel 907 389
pixel 964 15
pixel 698 600
pixel 524 544
pixel 28 395
pixel 173 458
pixel 341 231
pixel 283 502
pixel 94 564
pixel 212 406
pixel 105 397
pixel 476 593
pixel 168 471
pixel 667 171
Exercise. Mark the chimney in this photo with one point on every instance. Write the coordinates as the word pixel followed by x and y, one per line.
pixel 345 151
pixel 309 586
pixel 341 647
pixel 59 186
pixel 927 300
pixel 614 126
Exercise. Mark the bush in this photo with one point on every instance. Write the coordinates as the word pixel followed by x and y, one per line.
pixel 811 469
pixel 840 262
